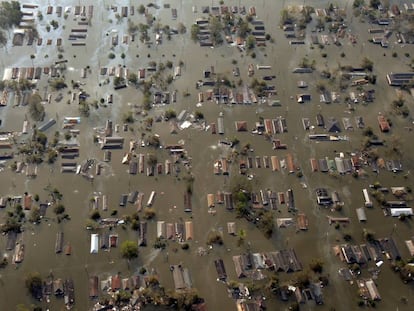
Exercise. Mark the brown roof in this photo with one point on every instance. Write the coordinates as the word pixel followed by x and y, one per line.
pixel 28 202
pixel 241 126
pixel 116 282
pixel 383 124
pixel 302 222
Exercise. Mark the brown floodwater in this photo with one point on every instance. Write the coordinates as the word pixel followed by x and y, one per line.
pixel 203 149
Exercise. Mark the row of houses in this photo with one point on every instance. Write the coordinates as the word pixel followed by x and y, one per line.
pixel 238 96
pixel 77 10
pixel 59 288
pixel 181 277
pixel 19 38
pixel 327 39
pixel 26 201
pixel 332 125
pixel 301 222
pixel 264 198
pixel 113 284
pixel 368 290
pixel 260 199
pixel 274 126
pixel 224 10
pixel 376 250
pixel 281 261
pixel 323 198
pixel 355 163
pixel 136 167
pixel 341 165
pixel 30 73
pixel 204 35
pixel 287 163
pixel 222 166
pixel 179 231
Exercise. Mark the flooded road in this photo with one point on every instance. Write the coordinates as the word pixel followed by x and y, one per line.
pixel 203 149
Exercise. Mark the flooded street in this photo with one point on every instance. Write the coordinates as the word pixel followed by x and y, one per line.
pixel 203 149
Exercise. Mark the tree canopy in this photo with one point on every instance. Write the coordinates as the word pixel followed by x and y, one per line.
pixel 129 249
pixel 34 284
pixel 10 14
pixel 36 109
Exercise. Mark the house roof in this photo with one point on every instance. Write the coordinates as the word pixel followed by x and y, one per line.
pixel 241 126
pixel 333 126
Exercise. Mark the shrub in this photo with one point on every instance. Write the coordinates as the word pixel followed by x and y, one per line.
pixel 214 238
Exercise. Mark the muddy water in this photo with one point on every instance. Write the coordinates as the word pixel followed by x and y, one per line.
pixel 203 148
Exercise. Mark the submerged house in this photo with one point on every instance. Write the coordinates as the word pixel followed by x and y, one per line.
pixel 333 126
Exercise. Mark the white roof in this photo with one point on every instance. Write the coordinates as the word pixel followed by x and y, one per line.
pixel 94 243
pixel 395 212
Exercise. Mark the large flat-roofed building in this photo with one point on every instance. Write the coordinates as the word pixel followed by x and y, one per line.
pixel 400 78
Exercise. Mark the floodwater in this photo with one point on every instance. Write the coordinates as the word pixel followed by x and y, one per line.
pixel 203 148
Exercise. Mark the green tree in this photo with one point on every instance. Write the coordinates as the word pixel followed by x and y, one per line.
pixel 34 214
pixel 36 109
pixel 95 215
pixel 141 9
pixel 58 84
pixel 154 141
pixel 285 17
pixel 358 3
pixel 250 42
pixel 181 28
pixel 241 237
pixel 367 64
pixel 133 78
pixel 3 38
pixel 54 24
pixel 198 115
pixel 316 265
pixel 244 28
pixel 123 58
pixel 368 234
pixel 149 213
pixel 214 237
pixel 128 117
pixel 170 114
pixel 59 209
pixel 216 28
pixel 374 3
pixel 33 284
pixel 10 14
pixel 129 249
pixel 195 30
pixel 84 108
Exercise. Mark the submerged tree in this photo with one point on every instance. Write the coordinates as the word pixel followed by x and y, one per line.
pixel 36 109
pixel 241 237
pixel 10 14
pixel 33 284
pixel 129 249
